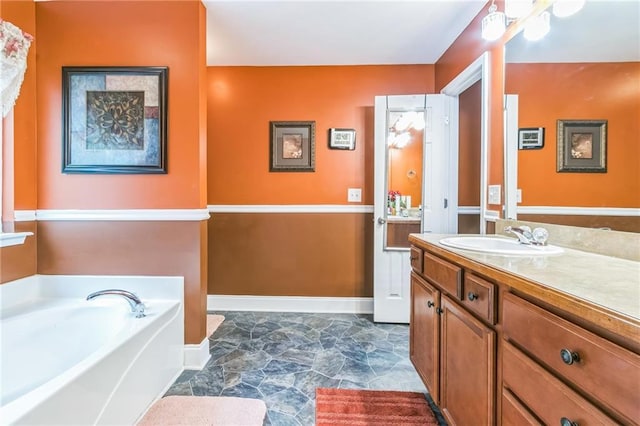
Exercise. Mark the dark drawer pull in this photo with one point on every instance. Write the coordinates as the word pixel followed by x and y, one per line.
pixel 472 296
pixel 566 422
pixel 569 358
pixel 430 304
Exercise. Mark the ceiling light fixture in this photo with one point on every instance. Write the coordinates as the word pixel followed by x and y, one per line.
pixel 494 24
pixel 537 27
pixel 564 8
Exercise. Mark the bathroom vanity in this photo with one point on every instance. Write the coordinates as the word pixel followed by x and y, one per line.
pixel 514 340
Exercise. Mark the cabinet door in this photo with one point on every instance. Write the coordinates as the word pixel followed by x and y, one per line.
pixel 468 352
pixel 424 333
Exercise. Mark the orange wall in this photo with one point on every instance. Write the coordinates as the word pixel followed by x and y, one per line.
pixel 242 101
pixel 548 92
pixel 123 33
pixel 23 14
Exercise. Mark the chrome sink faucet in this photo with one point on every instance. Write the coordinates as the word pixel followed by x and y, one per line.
pixel 525 236
pixel 137 307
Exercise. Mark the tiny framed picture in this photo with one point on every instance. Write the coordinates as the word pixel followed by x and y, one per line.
pixel 531 138
pixel 292 146
pixel 582 146
pixel 114 120
pixel 342 139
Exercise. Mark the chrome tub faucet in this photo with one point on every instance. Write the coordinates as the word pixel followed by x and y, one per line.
pixel 137 307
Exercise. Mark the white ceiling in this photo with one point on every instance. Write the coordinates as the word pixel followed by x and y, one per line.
pixel 334 32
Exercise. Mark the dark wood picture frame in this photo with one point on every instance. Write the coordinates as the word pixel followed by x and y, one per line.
pixel 582 146
pixel 292 146
pixel 114 120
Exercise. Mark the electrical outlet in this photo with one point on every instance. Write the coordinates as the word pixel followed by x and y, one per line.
pixel 354 195
pixel 494 194
pixel 519 195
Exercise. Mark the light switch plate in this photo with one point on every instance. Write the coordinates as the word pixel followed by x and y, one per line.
pixel 494 194
pixel 354 195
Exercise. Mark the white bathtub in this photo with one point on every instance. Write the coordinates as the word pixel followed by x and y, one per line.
pixel 66 360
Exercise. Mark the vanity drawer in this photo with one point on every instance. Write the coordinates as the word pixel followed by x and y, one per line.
pixel 478 295
pixel 416 259
pixel 544 395
pixel 446 275
pixel 597 367
pixel 514 413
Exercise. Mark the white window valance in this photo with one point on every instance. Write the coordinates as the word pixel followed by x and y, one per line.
pixel 14 46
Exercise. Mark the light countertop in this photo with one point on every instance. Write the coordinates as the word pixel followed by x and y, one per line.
pixel 609 282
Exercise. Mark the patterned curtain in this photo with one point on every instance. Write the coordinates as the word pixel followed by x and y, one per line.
pixel 14 46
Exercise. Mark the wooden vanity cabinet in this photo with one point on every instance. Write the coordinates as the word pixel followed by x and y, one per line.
pixel 467 367
pixel 453 350
pixel 494 350
pixel 424 334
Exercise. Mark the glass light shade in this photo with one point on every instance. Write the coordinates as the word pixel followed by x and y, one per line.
pixel 563 8
pixel 515 9
pixel 537 27
pixel 419 123
pixel 493 25
pixel 403 123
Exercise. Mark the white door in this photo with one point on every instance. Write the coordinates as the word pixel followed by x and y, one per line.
pixel 411 157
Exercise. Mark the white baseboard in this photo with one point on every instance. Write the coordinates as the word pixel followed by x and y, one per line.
pixel 353 305
pixel 196 356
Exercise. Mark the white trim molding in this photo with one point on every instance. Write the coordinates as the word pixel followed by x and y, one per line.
pixel 468 209
pixel 13 238
pixel 579 211
pixel 491 215
pixel 24 215
pixel 351 305
pixel 124 215
pixel 291 208
pixel 196 356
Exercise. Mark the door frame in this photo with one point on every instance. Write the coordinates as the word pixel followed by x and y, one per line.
pixel 477 70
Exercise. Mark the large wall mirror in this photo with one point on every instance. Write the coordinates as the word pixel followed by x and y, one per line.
pixel 585 72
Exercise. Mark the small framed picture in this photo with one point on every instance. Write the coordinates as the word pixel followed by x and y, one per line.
pixel 292 146
pixel 531 138
pixel 342 139
pixel 582 146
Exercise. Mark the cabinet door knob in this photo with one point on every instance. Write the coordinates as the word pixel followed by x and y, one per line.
pixel 472 296
pixel 569 357
pixel 566 422
pixel 439 311
pixel 430 304
pixel 413 258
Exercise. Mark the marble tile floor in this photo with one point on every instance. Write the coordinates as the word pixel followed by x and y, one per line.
pixel 281 358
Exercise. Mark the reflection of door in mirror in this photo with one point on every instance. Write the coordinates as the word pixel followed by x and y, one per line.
pixel 469 123
pixel 405 140
pixel 556 79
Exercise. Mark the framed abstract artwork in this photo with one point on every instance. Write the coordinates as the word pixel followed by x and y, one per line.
pixel 114 120
pixel 292 146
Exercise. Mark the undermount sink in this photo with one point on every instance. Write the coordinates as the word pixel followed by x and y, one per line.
pixel 498 245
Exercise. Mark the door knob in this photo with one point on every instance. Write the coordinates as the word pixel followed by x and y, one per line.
pixel 382 220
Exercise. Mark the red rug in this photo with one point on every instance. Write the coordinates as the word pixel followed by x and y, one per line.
pixel 367 407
